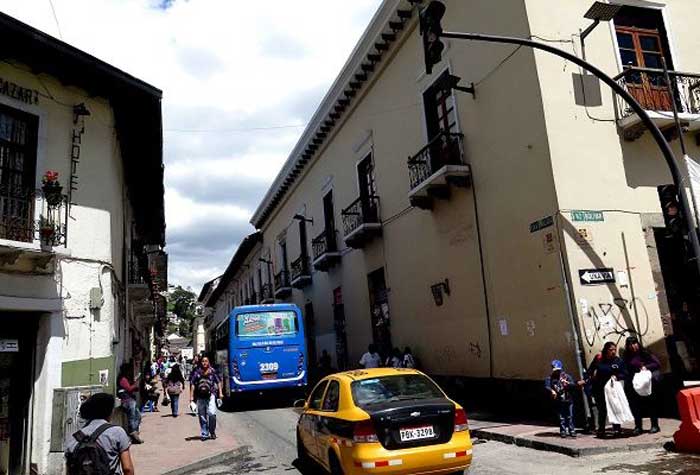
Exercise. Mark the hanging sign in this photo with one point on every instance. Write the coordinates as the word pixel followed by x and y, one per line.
pixel 9 346
pixel 596 276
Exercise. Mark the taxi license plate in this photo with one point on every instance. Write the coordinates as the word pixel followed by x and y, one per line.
pixel 269 376
pixel 417 433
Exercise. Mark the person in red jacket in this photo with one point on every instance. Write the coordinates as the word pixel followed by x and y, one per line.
pixel 127 389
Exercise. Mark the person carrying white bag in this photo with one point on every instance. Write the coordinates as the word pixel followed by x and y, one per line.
pixel 643 374
pixel 608 366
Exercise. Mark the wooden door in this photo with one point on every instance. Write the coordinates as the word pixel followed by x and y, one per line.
pixel 643 48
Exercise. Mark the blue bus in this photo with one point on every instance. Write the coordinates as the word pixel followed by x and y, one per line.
pixel 261 348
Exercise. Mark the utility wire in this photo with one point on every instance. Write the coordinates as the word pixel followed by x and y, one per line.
pixel 55 17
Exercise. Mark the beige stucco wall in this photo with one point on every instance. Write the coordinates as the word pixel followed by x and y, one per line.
pixel 93 254
pixel 508 150
pixel 595 169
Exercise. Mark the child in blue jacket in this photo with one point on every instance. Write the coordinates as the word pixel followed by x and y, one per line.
pixel 561 387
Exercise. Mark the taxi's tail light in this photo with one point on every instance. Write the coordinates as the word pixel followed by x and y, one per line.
pixel 364 432
pixel 461 423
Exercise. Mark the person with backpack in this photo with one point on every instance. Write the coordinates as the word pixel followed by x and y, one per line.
pixel 174 386
pixel 205 385
pixel 99 448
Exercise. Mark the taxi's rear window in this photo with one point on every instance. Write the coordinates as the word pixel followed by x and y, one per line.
pixel 404 387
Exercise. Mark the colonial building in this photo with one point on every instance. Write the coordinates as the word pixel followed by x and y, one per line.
pixel 499 227
pixel 82 233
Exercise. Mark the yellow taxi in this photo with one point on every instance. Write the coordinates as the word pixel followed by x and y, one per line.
pixel 386 421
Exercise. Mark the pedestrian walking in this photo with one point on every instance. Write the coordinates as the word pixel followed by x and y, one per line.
pixel 371 359
pixel 150 394
pixel 603 368
pixel 175 386
pixel 562 389
pixel 205 385
pixel 395 360
pixel 325 364
pixel 126 392
pixel 409 360
pixel 99 448
pixel 639 360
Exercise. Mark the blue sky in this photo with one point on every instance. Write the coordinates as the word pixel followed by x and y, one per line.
pixel 225 67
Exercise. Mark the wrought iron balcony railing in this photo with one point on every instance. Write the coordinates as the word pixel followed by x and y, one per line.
pixel 28 215
pixel 300 267
pixel 324 243
pixel 282 280
pixel 364 210
pixel 445 149
pixel 650 88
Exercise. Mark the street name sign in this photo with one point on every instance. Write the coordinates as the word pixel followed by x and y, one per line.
pixel 596 276
pixel 9 346
pixel 542 224
pixel 587 216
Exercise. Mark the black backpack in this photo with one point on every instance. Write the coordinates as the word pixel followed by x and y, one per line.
pixel 89 457
pixel 204 388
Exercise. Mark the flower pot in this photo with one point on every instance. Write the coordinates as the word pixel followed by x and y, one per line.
pixel 52 194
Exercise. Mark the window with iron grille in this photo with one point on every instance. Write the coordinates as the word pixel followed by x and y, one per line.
pixel 18 145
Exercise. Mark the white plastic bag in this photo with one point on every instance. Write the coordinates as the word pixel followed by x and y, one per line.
pixel 193 407
pixel 618 407
pixel 642 383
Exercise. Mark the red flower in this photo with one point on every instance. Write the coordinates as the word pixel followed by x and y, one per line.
pixel 50 177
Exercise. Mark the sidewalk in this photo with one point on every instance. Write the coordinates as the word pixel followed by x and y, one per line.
pixel 173 443
pixel 541 437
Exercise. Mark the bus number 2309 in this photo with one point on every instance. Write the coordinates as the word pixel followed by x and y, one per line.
pixel 269 367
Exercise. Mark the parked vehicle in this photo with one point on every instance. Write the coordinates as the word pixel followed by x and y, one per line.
pixel 262 348
pixel 383 420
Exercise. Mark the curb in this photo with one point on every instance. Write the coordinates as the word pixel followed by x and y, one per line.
pixel 209 461
pixel 570 451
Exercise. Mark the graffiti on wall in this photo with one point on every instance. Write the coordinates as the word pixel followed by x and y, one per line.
pixel 614 321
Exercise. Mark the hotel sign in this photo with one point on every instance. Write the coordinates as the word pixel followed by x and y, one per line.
pixel 15 91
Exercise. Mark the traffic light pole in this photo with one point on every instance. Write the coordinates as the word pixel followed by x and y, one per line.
pixel 631 101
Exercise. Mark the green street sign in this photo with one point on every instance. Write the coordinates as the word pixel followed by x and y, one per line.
pixel 587 216
pixel 542 224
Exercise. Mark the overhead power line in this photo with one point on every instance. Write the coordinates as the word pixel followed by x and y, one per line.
pixel 55 17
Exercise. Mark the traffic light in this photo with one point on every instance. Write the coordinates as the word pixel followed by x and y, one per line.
pixel 431 29
pixel 675 225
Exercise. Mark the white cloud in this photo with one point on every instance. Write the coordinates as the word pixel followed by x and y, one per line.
pixel 222 64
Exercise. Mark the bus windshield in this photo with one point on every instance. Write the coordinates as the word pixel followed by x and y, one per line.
pixel 266 324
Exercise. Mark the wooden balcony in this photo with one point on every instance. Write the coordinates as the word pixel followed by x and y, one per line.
pixel 361 222
pixel 301 272
pixel 435 168
pixel 325 250
pixel 650 88
pixel 283 288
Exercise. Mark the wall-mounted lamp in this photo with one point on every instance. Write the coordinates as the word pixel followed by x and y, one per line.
pixel 598 12
pixel 300 217
pixel 438 289
pixel 79 110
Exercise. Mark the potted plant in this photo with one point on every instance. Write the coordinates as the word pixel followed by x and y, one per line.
pixel 52 188
pixel 47 231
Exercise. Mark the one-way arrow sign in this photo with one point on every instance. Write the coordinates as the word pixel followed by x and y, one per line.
pixel 596 276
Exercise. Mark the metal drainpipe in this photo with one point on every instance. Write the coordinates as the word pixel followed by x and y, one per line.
pixel 569 297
